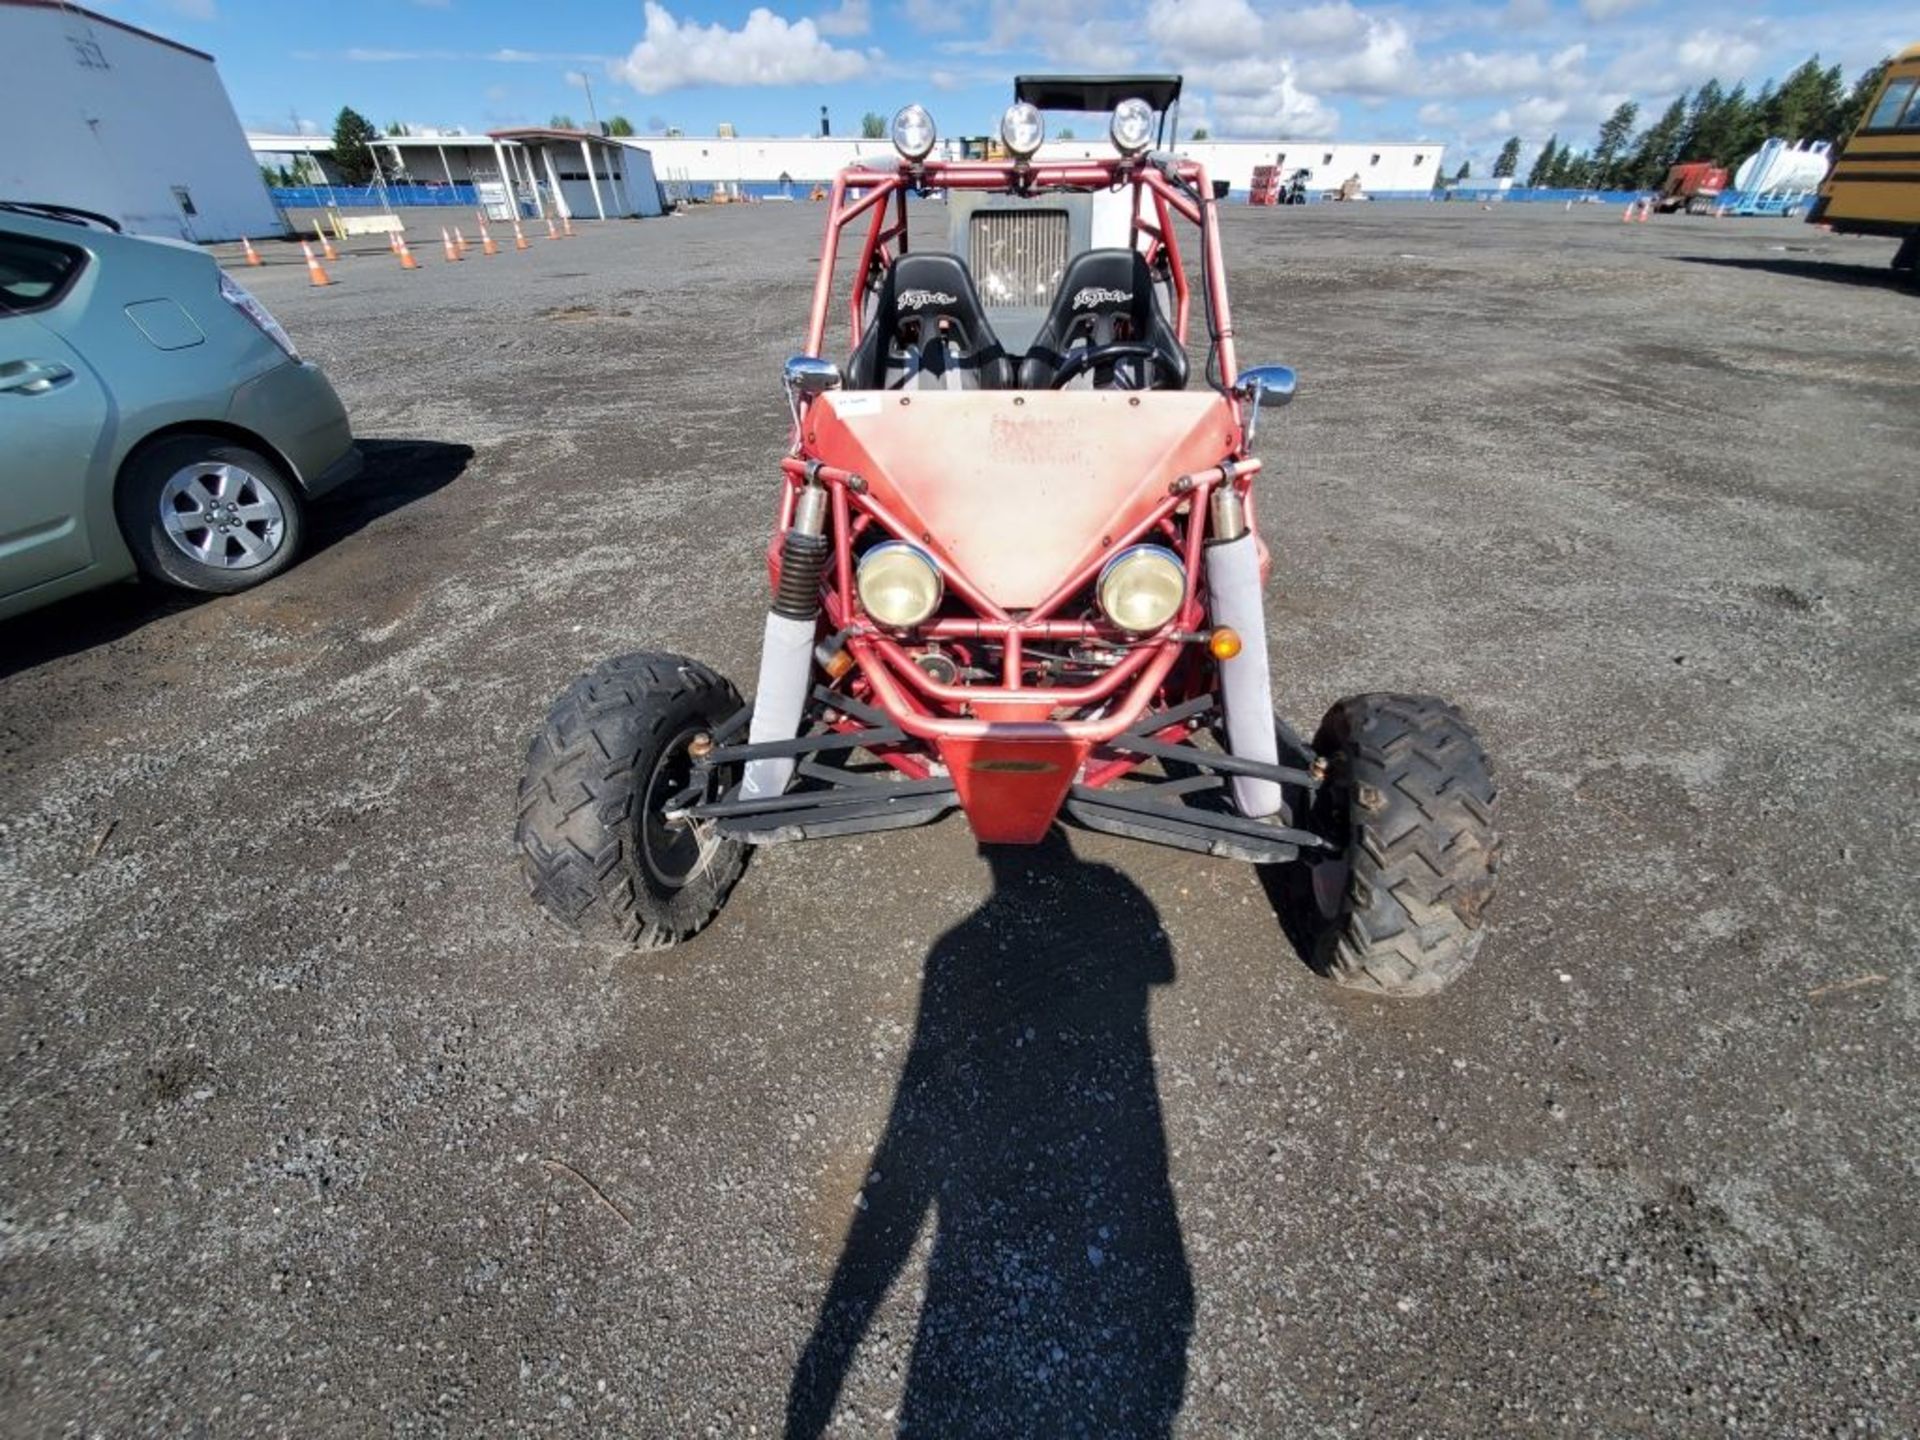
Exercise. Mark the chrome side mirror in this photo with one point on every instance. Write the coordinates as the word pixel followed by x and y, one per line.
pixel 1262 386
pixel 809 375
pixel 1266 384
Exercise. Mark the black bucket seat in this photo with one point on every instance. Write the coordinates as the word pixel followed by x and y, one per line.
pixel 929 331
pixel 1107 297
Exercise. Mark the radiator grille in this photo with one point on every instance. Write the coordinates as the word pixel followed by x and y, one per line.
pixel 1017 256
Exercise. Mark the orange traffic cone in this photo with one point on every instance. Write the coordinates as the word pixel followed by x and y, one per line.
pixel 393 242
pixel 1646 209
pixel 446 242
pixel 566 226
pixel 487 247
pixel 315 275
pixel 459 242
pixel 407 262
pixel 1626 217
pixel 326 245
pixel 253 255
pixel 553 231
pixel 519 236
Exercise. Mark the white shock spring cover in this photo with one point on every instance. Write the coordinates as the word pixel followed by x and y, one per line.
pixel 1246 684
pixel 786 671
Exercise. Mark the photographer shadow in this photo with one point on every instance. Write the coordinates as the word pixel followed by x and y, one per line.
pixel 1058 1299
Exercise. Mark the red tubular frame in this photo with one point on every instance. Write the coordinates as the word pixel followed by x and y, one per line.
pixel 886 669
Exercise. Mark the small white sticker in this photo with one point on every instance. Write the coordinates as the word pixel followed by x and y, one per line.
pixel 848 406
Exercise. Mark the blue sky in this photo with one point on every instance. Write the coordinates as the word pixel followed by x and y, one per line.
pixel 1465 72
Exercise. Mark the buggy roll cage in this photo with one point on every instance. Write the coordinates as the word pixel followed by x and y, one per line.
pixel 1164 188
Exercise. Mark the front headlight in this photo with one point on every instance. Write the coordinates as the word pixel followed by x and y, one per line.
pixel 898 584
pixel 1132 126
pixel 1022 129
pixel 913 132
pixel 1141 588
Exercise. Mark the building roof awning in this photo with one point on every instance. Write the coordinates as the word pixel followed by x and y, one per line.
pixel 543 132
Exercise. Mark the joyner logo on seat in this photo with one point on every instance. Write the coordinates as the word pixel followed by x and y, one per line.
pixel 1093 295
pixel 920 299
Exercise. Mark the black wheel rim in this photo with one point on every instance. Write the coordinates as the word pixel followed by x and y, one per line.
pixel 673 853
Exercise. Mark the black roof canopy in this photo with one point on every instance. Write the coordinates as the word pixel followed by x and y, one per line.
pixel 1095 92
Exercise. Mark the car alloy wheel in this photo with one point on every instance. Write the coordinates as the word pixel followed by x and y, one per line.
pixel 222 516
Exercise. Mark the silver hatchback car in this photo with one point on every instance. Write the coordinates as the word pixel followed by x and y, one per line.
pixel 153 416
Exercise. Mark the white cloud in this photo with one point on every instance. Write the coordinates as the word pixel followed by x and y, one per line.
pixel 1378 61
pixel 849 17
pixel 1664 65
pixel 934 15
pixel 1506 72
pixel 1323 27
pixel 1260 97
pixel 767 49
pixel 1602 10
pixel 1438 117
pixel 1079 34
pixel 1204 29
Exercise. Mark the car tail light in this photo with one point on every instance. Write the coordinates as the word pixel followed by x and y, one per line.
pixel 236 295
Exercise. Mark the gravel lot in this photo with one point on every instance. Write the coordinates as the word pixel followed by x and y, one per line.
pixel 311 1124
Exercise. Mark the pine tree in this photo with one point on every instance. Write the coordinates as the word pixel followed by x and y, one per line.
pixel 1542 172
pixel 1615 132
pixel 1509 160
pixel 353 139
pixel 1658 148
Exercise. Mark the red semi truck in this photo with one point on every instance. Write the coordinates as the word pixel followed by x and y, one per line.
pixel 1694 187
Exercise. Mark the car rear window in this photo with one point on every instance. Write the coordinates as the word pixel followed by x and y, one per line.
pixel 34 273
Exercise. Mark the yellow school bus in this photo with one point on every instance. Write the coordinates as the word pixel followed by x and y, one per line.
pixel 1874 187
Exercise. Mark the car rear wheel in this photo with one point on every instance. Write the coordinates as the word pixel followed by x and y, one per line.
pixel 204 513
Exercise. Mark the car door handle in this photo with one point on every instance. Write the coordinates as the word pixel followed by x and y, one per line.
pixel 33 377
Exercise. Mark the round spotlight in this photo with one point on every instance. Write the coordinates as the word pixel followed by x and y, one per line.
pixel 913 132
pixel 1022 129
pixel 1142 587
pixel 1132 126
pixel 899 584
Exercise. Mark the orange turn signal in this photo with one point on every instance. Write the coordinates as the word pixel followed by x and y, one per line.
pixel 1224 643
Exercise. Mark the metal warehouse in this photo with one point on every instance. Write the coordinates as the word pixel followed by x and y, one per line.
pixel 125 123
pixel 1382 167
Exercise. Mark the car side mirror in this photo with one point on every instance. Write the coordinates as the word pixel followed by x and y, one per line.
pixel 1260 387
pixel 1266 384
pixel 810 375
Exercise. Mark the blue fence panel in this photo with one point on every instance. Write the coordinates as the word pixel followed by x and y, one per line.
pixel 371 197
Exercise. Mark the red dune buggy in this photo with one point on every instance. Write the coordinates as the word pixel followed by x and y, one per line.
pixel 1015 570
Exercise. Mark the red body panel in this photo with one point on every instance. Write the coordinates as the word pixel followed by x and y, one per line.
pixel 1016 491
pixel 1012 789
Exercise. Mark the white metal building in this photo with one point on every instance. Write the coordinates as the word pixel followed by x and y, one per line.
pixel 113 119
pixel 582 174
pixel 569 172
pixel 1383 166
